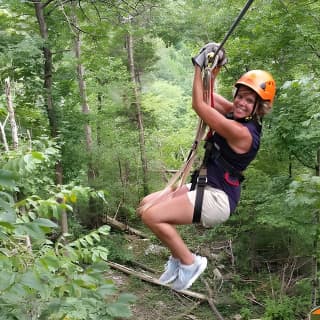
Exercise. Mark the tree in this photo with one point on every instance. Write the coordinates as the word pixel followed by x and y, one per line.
pixel 82 88
pixel 13 124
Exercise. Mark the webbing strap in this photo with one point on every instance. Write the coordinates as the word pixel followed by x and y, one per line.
pixel 201 183
pixel 208 83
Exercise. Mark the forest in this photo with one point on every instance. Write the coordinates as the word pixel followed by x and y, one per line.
pixel 96 113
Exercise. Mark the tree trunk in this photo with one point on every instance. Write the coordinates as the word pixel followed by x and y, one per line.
pixel 39 9
pixel 3 134
pixel 99 139
pixel 315 260
pixel 13 124
pixel 83 92
pixel 137 104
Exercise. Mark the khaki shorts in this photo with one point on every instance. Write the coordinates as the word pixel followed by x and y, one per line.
pixel 215 206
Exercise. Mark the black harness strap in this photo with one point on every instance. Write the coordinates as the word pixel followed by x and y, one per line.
pixel 201 183
pixel 230 170
pixel 199 180
pixel 199 177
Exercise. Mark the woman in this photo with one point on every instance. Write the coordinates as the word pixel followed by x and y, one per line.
pixel 236 140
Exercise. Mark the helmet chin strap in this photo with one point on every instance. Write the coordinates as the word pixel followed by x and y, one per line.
pixel 256 103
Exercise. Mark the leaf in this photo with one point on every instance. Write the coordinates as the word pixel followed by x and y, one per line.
pixel 7 178
pixel 73 198
pixel 55 211
pixel 16 294
pixel 107 290
pixel 37 155
pixel 89 240
pixel 7 200
pixel 7 225
pixel 32 280
pixel 9 214
pixel 45 223
pixel 104 230
pixel 32 215
pixel 51 262
pixel 96 236
pixel 103 253
pixel 83 242
pixel 119 310
pixel 6 279
pixel 31 229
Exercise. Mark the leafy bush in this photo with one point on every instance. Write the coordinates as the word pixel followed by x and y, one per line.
pixel 50 279
pixel 279 310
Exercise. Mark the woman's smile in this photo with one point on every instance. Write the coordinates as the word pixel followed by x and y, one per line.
pixel 244 102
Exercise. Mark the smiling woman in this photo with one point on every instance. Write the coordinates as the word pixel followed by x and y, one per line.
pixel 244 102
pixel 229 151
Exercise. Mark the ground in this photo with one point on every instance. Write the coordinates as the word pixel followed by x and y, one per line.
pixel 155 302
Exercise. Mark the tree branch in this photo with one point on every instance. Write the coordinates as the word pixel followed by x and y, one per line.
pixel 210 301
pixel 123 227
pixel 152 280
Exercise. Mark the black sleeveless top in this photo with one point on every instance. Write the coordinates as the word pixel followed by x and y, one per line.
pixel 216 174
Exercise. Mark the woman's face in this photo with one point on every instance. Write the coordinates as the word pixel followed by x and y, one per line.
pixel 244 102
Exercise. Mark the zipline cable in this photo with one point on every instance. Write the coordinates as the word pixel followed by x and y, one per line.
pixel 235 23
pixel 185 169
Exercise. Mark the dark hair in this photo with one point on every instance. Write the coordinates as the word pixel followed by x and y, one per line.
pixel 263 107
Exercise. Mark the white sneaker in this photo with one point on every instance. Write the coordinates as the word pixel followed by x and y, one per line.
pixel 188 274
pixel 171 271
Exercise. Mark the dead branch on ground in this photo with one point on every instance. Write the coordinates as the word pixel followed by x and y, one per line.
pixel 124 227
pixel 210 301
pixel 152 280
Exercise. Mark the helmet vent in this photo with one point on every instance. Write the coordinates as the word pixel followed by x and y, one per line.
pixel 263 86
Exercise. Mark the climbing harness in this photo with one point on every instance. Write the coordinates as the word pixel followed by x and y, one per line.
pixel 180 177
pixel 199 177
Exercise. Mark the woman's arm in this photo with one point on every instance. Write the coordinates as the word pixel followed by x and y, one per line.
pixel 223 105
pixel 237 135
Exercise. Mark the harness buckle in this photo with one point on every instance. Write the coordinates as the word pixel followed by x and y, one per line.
pixel 202 181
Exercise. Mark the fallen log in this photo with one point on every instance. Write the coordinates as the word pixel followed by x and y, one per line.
pixel 150 279
pixel 124 227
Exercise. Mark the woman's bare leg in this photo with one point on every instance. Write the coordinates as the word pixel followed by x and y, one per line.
pixel 156 197
pixel 162 217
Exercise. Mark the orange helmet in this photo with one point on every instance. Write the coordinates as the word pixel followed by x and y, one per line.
pixel 261 82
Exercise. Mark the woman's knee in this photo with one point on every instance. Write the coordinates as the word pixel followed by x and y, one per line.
pixel 144 201
pixel 144 216
pixel 148 218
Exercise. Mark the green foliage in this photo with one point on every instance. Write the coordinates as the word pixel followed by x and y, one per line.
pixel 119 247
pixel 279 310
pixel 41 279
pixel 53 282
pixel 32 168
pixel 298 119
pixel 278 213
